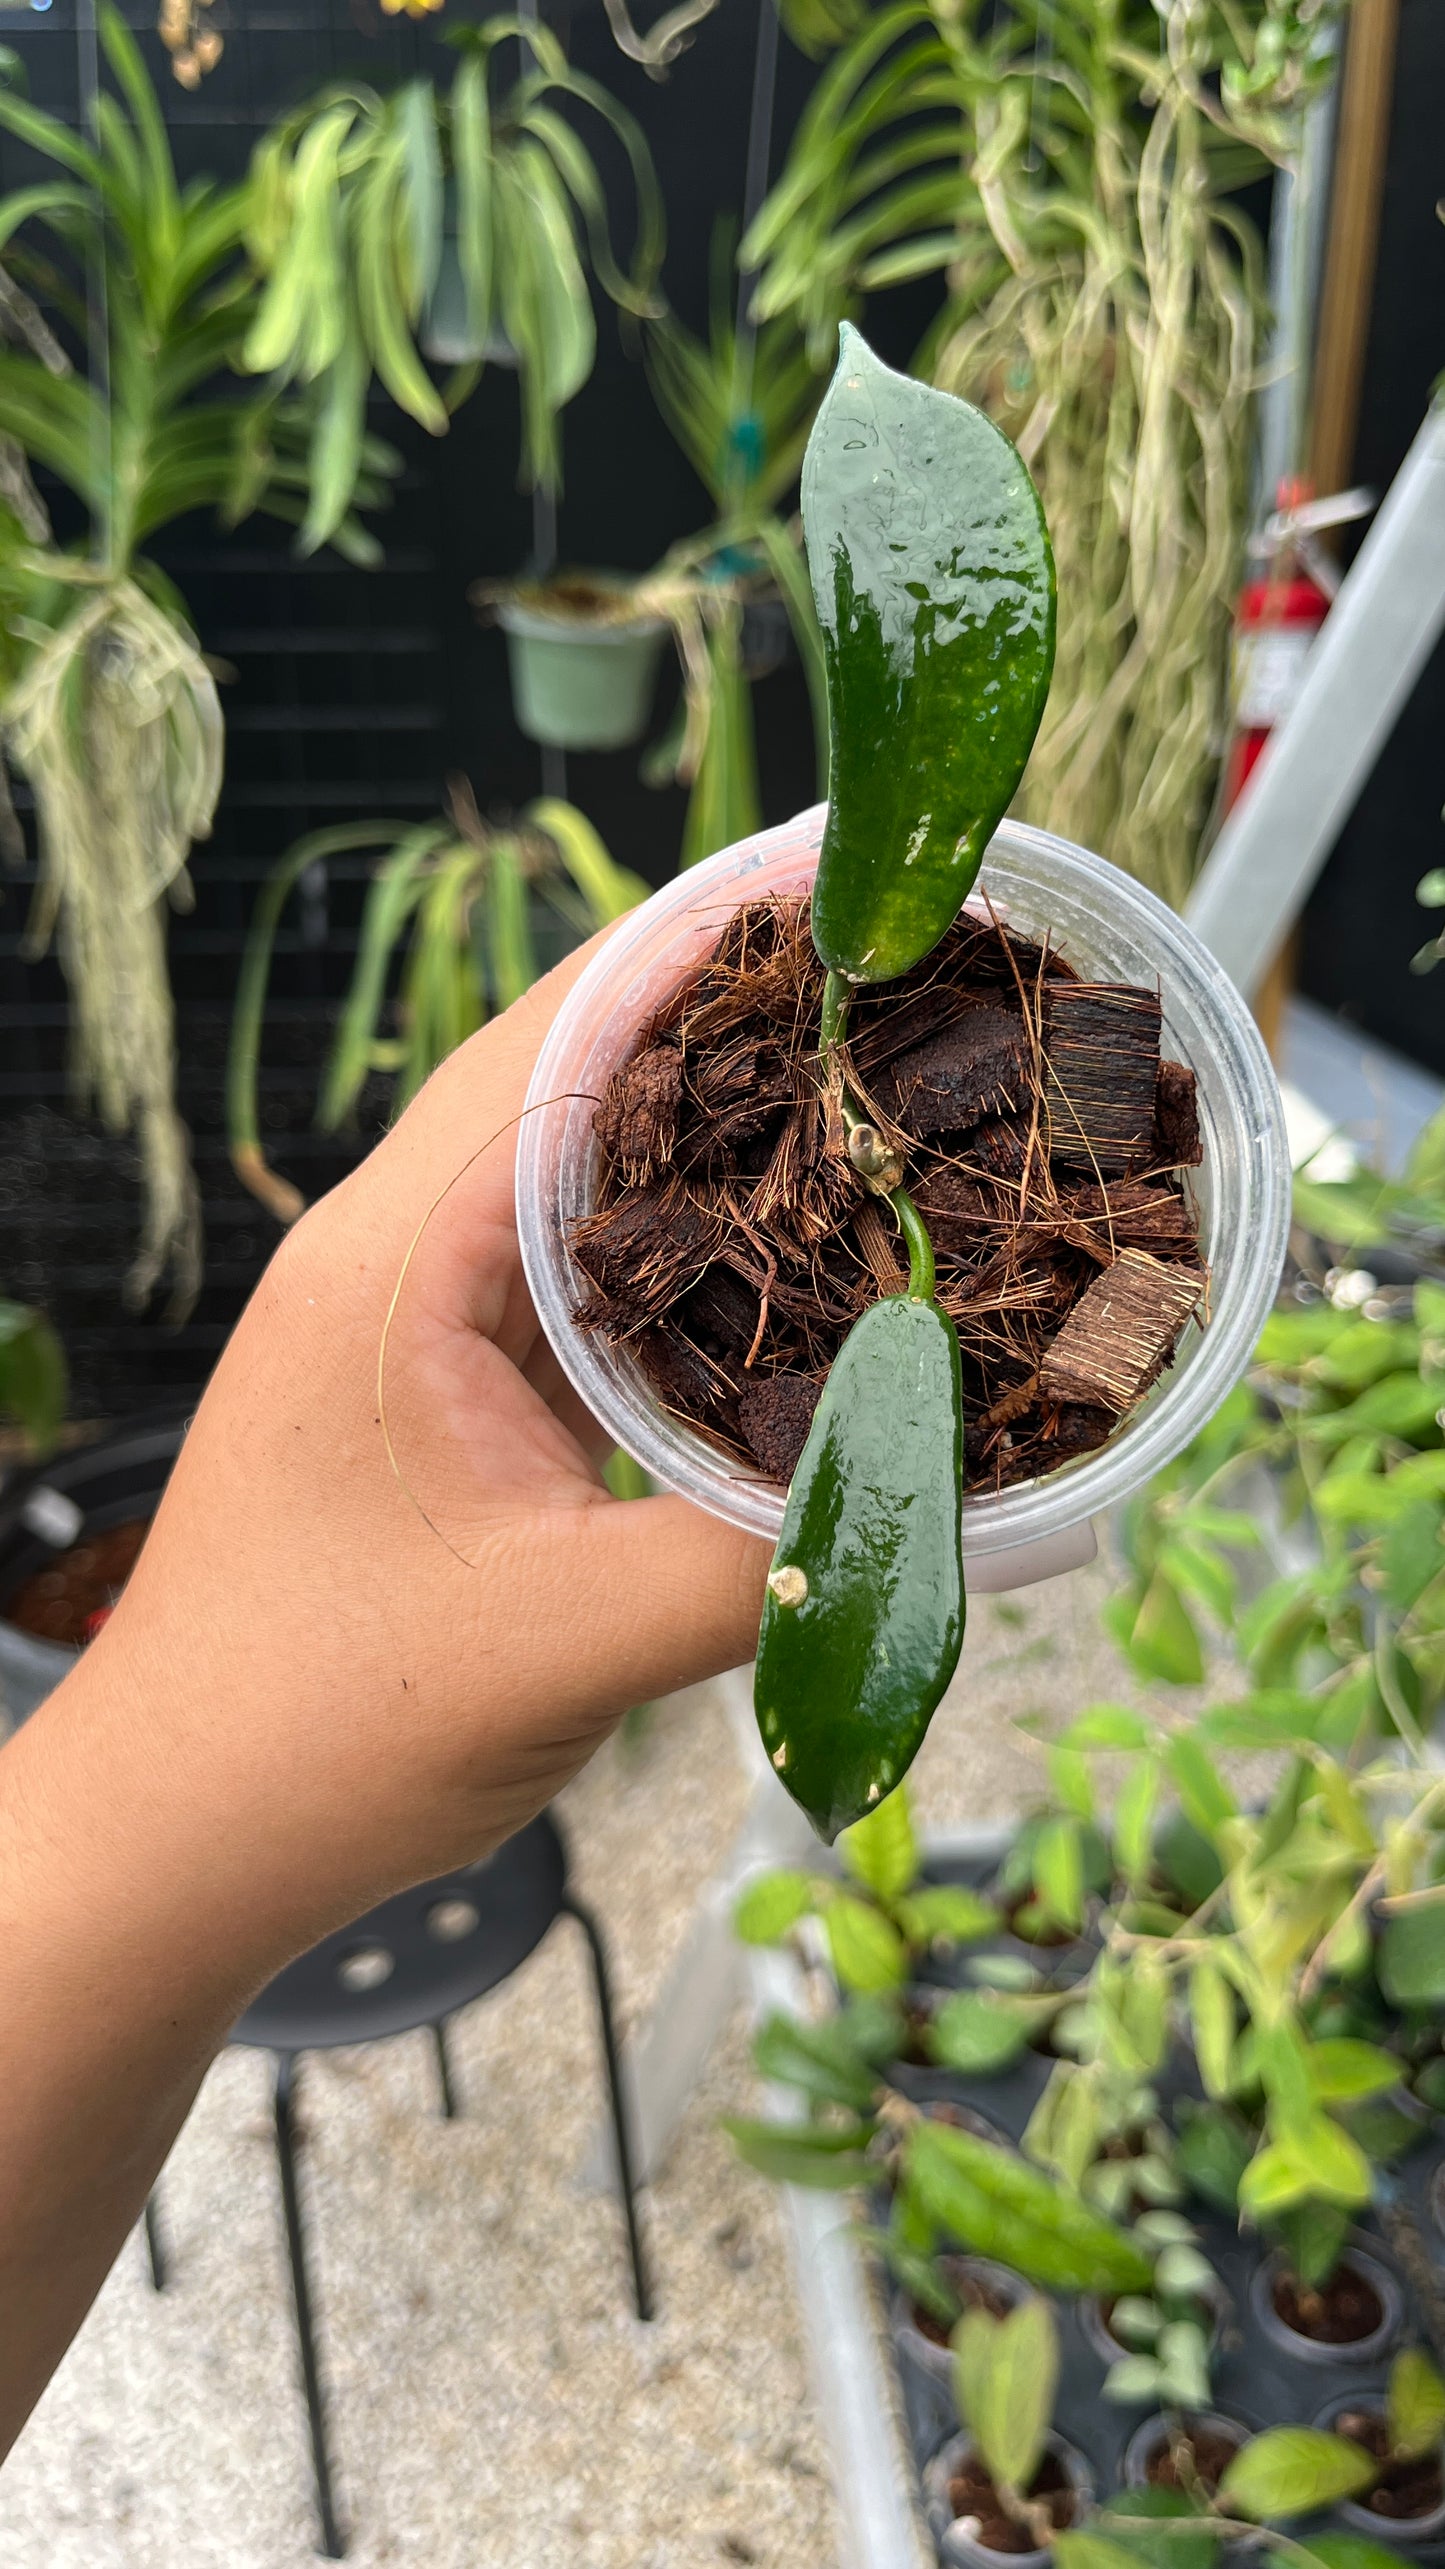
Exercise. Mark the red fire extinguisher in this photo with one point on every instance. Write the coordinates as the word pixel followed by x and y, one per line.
pixel 1279 613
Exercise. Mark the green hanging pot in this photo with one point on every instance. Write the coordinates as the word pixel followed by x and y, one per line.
pixel 583 669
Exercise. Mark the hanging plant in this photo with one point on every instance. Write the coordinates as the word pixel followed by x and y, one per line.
pixel 480 208
pixel 107 705
pixel 447 938
pixel 1062 170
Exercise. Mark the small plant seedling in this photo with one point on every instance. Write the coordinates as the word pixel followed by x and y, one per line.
pixel 934 586
pixel 1006 2374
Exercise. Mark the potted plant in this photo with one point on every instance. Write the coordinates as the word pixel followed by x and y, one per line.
pixel 471 214
pixel 71 1527
pixel 583 649
pixel 763 1093
pixel 107 704
pixel 32 1375
pixel 452 902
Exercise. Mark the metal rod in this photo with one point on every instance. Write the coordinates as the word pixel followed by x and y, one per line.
pixel 642 2289
pixel 332 2543
pixel 444 2070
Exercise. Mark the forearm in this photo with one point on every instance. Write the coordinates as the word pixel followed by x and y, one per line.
pixel 118 1986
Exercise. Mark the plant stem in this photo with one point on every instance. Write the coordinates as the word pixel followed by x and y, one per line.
pixel 831 1029
pixel 919 1245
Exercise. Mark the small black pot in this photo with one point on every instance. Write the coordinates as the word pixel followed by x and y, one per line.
pixel 1364 2519
pixel 1311 2350
pixel 47 1509
pixel 959 2550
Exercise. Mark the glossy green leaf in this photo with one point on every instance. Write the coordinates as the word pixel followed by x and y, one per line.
pixel 848 1678
pixel 1163 1642
pixel 934 585
pixel 1211 2009
pixel 1342 2068
pixel 1292 2469
pixel 981 2030
pixel 1173 2532
pixel 1349 2551
pixel 1059 1872
pixel 33 1378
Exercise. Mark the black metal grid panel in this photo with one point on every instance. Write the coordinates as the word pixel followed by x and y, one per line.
pixel 353 692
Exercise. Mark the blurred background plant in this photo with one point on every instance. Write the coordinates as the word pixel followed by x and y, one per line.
pixel 109 707
pixel 33 1384
pixel 449 936
pixel 1065 170
pixel 458 225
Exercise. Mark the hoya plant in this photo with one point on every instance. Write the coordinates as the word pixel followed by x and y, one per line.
pixel 934 588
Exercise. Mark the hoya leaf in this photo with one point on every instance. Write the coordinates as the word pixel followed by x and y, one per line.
pixel 945 1913
pixel 867 1952
pixel 1091 2551
pixel 1312 2236
pixel 995 2203
pixel 796 2154
pixel 1164 1643
pixel 1211 2008
pixel 1108 1726
pixel 881 1851
pixel 934 585
pixel 1342 2067
pixel 1005 2374
pixel 1133 2381
pixel 1412 1954
pixel 1203 1793
pixel 772 1904
pixel 1134 1819
pixel 980 2030
pixel 1414 2403
pixel 1290 2470
pixel 1349 2551
pixel 1059 1871
pixel 1213 2149
pixel 1165 2537
pixel 818 2059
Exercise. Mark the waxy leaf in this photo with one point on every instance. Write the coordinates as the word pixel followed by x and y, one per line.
pixel 881 1852
pixel 867 1952
pixel 849 1674
pixel 934 584
pixel 992 2202
pixel 1415 2403
pixel 771 1905
pixel 801 2154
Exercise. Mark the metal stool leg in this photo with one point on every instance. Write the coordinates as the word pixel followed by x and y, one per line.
pixel 641 2286
pixel 155 2245
pixel 331 2542
pixel 444 2070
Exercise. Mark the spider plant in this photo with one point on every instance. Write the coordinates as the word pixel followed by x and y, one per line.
pixel 107 705
pixel 469 216
pixel 1061 167
pixel 447 939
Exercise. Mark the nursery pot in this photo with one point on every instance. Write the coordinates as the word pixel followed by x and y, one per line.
pixel 1110 929
pixel 960 2550
pixel 1000 2283
pixel 46 1512
pixel 1379 2522
pixel 1367 2348
pixel 576 683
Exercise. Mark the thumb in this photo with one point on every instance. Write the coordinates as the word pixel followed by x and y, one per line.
pixel 679 1596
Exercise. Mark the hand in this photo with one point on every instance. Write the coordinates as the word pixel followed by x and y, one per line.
pixel 311 1668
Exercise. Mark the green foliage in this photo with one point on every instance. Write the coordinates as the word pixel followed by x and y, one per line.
pixel 465 220
pixel 33 1380
pixel 801 2154
pixel 997 2205
pixel 1006 2374
pixel 106 703
pixel 446 940
pixel 1415 2404
pixel 1291 2470
pixel 881 1850
pixel 772 1905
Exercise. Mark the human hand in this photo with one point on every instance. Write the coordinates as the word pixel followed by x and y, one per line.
pixel 330 1695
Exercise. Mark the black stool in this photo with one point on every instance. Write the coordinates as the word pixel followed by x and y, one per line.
pixel 412 1962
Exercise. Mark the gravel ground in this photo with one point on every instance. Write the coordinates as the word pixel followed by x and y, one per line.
pixel 494 2404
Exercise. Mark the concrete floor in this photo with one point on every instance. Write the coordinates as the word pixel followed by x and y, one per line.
pixel 494 2405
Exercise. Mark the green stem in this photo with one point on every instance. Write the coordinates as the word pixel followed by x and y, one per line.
pixel 921 1269
pixel 920 1247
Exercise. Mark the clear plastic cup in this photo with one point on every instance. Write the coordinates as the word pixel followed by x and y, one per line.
pixel 1110 929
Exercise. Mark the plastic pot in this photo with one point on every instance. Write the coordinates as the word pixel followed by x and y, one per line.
pixel 1147 2439
pixel 45 1511
pixel 924 2351
pixel 959 2550
pixel 1314 2350
pixel 577 684
pixel 1107 926
pixel 1358 2513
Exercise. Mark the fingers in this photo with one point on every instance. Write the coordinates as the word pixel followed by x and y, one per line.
pixel 675 1595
